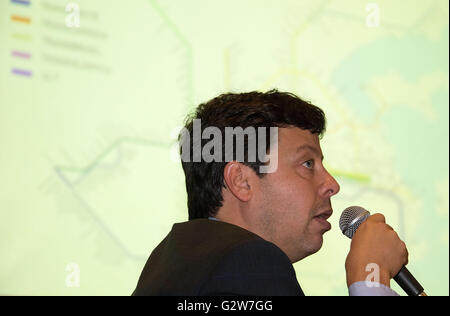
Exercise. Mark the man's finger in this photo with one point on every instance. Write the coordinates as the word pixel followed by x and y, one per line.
pixel 378 217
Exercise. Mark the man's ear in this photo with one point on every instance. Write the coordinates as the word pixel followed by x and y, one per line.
pixel 238 180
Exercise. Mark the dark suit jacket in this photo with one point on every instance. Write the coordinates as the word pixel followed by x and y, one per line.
pixel 207 257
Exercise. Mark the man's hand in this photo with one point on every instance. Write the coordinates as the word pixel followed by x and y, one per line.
pixel 375 242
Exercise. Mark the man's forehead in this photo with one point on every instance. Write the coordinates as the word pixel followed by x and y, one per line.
pixel 296 140
pixel 297 135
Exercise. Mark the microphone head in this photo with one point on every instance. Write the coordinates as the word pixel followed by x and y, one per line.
pixel 351 218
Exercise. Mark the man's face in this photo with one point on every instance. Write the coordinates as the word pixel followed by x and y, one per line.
pixel 294 196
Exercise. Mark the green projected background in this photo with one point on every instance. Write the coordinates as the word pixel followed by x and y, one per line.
pixel 88 118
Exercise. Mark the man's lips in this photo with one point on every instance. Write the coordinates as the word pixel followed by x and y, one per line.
pixel 324 214
pixel 322 217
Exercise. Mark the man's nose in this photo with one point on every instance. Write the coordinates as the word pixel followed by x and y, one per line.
pixel 330 186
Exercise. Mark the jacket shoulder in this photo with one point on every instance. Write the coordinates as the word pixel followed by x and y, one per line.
pixel 206 257
pixel 255 268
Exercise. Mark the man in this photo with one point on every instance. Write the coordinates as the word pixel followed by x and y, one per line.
pixel 246 228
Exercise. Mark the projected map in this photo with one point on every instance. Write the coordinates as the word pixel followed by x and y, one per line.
pixel 92 94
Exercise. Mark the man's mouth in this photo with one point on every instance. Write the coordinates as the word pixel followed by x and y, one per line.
pixel 322 217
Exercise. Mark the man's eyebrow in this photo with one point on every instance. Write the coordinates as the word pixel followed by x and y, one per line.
pixel 309 147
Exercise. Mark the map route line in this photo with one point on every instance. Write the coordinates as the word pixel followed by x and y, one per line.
pixel 187 45
pixel 355 176
pixel 300 29
pixel 98 221
pixel 96 162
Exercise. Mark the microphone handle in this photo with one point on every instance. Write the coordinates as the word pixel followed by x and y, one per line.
pixel 408 283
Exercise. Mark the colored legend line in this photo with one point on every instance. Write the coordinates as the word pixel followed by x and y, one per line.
pixel 24 55
pixel 22 2
pixel 21 72
pixel 20 19
pixel 22 37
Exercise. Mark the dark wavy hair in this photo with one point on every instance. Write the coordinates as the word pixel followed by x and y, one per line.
pixel 204 180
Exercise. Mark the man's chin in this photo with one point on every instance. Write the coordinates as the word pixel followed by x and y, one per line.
pixel 317 244
pixel 313 246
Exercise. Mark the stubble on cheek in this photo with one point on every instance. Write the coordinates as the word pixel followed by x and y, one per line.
pixel 283 220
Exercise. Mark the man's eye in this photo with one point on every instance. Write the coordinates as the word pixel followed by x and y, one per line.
pixel 309 164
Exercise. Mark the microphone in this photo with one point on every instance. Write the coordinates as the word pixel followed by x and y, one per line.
pixel 349 222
